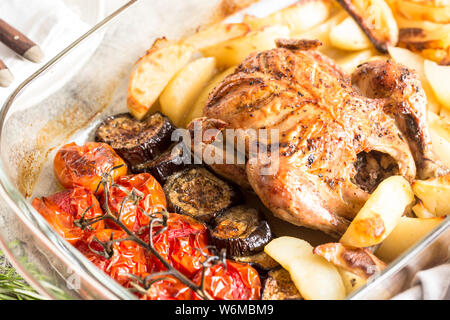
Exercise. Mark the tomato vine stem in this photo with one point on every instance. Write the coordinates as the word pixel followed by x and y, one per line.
pixel 157 219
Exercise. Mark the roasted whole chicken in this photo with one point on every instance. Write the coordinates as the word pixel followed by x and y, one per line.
pixel 339 135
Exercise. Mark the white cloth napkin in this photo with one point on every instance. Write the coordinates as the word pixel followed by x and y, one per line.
pixel 430 284
pixel 49 23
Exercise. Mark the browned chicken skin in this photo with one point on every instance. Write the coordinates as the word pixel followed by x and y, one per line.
pixel 404 100
pixel 328 131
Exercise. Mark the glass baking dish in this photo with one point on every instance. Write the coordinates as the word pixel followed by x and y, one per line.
pixel 30 133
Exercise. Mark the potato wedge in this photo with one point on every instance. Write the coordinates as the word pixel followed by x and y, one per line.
pixel 409 59
pixel 384 57
pixel 347 35
pixel 359 261
pixel 234 51
pixel 322 32
pixel 352 60
pixel 351 281
pixel 445 114
pixel 431 10
pixel 375 19
pixel 314 277
pixel 180 94
pixel 440 139
pixel 153 72
pixel 439 79
pixel 428 26
pixel 380 214
pixel 431 42
pixel 407 233
pixel 421 212
pixel 197 108
pixel 217 33
pixel 298 17
pixel 434 194
pixel 416 63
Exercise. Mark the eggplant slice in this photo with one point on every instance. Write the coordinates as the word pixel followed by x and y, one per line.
pixel 168 163
pixel 136 141
pixel 279 286
pixel 260 261
pixel 241 231
pixel 198 193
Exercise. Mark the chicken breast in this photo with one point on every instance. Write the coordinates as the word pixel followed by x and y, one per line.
pixel 335 144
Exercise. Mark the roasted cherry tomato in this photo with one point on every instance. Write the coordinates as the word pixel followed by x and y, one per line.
pixel 84 165
pixel 63 208
pixel 132 214
pixel 120 259
pixel 169 288
pixel 179 245
pixel 237 281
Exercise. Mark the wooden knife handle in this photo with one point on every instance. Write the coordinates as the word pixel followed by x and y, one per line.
pixel 18 42
pixel 2 65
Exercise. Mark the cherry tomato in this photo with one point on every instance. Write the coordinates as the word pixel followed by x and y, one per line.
pixel 169 289
pixel 179 245
pixel 63 208
pixel 238 281
pixel 127 257
pixel 84 165
pixel 98 260
pixel 148 188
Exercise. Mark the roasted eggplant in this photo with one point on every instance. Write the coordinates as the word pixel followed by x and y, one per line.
pixel 136 141
pixel 279 286
pixel 260 261
pixel 241 230
pixel 168 163
pixel 199 193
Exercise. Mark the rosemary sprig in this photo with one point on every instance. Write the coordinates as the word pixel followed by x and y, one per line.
pixel 157 220
pixel 12 285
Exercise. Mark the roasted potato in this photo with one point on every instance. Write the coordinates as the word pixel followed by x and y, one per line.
pixel 440 137
pixel 421 212
pixel 429 26
pixel 431 44
pixel 314 277
pixel 431 10
pixel 445 113
pixel 431 40
pixel 380 214
pixel 434 194
pixel 217 33
pixel 299 17
pixel 197 108
pixel 359 261
pixel 322 32
pixel 349 62
pixel 351 281
pixel 234 51
pixel 375 19
pixel 439 79
pixel 153 72
pixel 407 233
pixel 347 35
pixel 182 91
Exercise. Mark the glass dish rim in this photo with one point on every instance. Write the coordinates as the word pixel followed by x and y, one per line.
pixel 31 219
pixel 39 227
